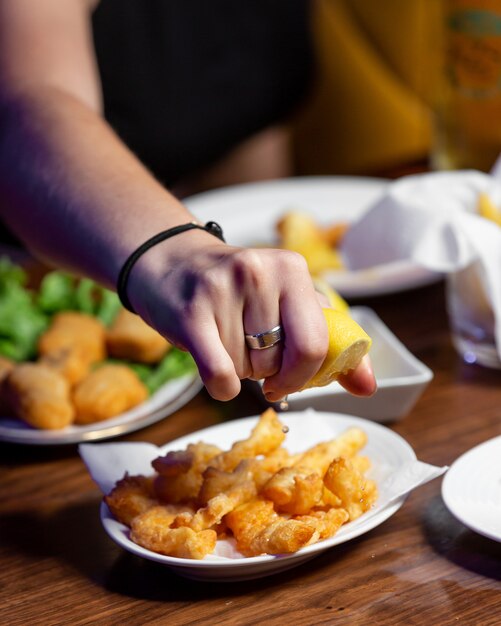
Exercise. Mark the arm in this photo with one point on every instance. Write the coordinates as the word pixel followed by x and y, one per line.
pixel 80 199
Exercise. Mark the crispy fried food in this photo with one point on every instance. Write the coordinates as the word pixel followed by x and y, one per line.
pixel 180 472
pixel 130 337
pixel 152 531
pixel 361 463
pixel 325 523
pixel 130 497
pixel 329 499
pixel 270 501
pixel 347 445
pixel 334 233
pixel 221 492
pixel 266 436
pixel 264 468
pixel 39 395
pixel 258 529
pixel 73 342
pixel 294 490
pixel 299 232
pixel 107 391
pixel 356 492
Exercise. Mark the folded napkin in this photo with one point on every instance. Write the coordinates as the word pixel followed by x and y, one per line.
pixel 431 219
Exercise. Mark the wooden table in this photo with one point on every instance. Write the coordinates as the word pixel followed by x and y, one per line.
pixel 420 567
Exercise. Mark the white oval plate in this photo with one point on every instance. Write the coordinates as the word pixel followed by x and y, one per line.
pixel 248 215
pixel 471 489
pixel 169 398
pixel 388 452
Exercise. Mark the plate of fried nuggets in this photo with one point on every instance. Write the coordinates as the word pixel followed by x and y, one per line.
pixel 243 508
pixel 73 392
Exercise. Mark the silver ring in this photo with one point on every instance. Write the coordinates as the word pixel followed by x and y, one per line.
pixel 261 341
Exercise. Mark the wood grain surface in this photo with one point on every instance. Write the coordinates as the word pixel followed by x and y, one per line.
pixel 422 566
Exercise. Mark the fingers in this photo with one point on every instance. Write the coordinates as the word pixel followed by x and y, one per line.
pixel 215 365
pixel 306 336
pixel 234 291
pixel 262 314
pixel 361 380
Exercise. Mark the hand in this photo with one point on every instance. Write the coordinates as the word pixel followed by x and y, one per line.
pixel 204 296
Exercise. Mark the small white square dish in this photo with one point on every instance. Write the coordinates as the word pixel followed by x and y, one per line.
pixel 400 376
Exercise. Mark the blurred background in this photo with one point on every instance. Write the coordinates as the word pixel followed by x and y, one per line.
pixel 371 109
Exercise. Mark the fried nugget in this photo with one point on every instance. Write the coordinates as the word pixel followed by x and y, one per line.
pixel 325 523
pixel 107 391
pixel 264 467
pixel 39 395
pixel 258 529
pixel 320 456
pixel 356 492
pixel 221 492
pixel 334 233
pixel 130 497
pixel 152 531
pixel 73 342
pixel 180 472
pixel 294 490
pixel 131 338
pixel 298 231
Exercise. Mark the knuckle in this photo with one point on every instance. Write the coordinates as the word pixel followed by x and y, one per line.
pixel 248 267
pixel 293 261
pixel 221 380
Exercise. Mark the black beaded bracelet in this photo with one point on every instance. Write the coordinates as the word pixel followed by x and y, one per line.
pixel 211 227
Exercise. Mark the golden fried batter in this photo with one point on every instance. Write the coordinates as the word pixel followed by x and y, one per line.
pixel 266 436
pixel 325 523
pixel 258 529
pixel 180 472
pixel 356 492
pixel 107 391
pixel 39 395
pixel 220 493
pixel 72 343
pixel 268 500
pixel 347 444
pixel 294 490
pixel 129 337
pixel 152 531
pixel 131 496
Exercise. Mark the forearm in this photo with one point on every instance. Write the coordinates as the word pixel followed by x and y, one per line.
pixel 71 190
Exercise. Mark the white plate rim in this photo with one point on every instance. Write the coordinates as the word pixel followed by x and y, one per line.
pixel 379 280
pixel 168 399
pixel 119 532
pixel 451 476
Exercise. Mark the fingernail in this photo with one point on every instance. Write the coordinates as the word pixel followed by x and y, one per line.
pixel 271 397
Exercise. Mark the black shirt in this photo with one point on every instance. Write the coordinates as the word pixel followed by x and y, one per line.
pixel 186 80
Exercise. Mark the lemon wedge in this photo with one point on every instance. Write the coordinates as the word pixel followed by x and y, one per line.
pixel 348 343
pixel 487 209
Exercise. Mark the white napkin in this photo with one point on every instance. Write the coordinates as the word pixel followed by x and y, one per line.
pixel 431 219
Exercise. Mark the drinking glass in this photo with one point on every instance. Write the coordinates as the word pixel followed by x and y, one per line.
pixel 471 317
